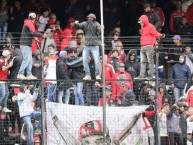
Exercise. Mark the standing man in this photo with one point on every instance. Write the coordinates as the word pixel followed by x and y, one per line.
pixel 179 76
pixel 147 42
pixel 28 33
pixel 5 65
pixel 92 31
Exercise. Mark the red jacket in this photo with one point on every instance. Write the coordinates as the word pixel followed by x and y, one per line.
pixel 189 13
pixel 175 21
pixel 57 36
pixel 109 73
pixel 116 88
pixel 148 32
pixel 189 98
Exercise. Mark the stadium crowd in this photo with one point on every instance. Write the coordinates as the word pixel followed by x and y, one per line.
pixel 72 67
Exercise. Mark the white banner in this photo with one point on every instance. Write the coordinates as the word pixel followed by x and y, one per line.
pixel 71 124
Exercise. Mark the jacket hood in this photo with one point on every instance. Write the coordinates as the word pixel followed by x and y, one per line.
pixel 144 19
pixel 29 24
pixel 162 85
pixel 79 31
pixel 37 52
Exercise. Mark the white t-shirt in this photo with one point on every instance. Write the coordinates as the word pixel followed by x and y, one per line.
pixel 163 125
pixel 189 129
pixel 42 23
pixel 51 71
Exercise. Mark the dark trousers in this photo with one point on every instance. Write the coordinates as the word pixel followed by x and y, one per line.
pixel 175 138
pixel 164 140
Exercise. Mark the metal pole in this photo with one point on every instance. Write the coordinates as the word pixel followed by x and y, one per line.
pixel 42 95
pixel 103 74
pixel 157 101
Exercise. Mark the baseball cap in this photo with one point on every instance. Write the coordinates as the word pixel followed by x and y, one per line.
pixel 176 37
pixel 6 53
pixel 32 15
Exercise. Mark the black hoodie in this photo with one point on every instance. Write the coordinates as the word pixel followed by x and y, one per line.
pixel 17 60
pixel 132 67
pixel 37 71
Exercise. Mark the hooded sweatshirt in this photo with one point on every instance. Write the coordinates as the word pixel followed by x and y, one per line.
pixel 17 60
pixel 28 33
pixel 148 32
pixel 37 71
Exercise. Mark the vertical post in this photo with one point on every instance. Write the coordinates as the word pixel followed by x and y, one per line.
pixel 157 101
pixel 42 95
pixel 103 74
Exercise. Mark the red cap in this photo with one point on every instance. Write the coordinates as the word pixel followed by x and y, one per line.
pixel 50 22
pixel 71 20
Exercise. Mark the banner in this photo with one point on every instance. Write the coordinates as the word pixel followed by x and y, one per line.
pixel 71 124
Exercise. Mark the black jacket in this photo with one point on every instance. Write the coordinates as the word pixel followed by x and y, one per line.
pixel 28 33
pixel 62 75
pixel 37 71
pixel 133 68
pixel 17 60
pixel 114 62
pixel 128 99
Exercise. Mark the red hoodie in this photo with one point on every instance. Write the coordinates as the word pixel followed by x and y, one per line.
pixel 189 98
pixel 148 32
pixel 116 87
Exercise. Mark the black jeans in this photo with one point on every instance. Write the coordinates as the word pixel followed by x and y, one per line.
pixel 175 138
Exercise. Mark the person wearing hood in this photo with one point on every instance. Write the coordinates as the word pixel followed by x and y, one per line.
pixel 68 34
pixel 36 68
pixel 28 33
pixel 132 66
pixel 92 31
pixel 163 96
pixel 80 39
pixel 120 77
pixel 62 74
pixel 17 60
pixel 147 42
pixel 49 40
pixel 180 72
pixel 189 57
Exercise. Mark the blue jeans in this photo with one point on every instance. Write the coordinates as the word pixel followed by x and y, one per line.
pixel 79 99
pixel 30 131
pixel 94 50
pixel 51 92
pixel 178 93
pixel 67 96
pixel 27 60
pixel 4 93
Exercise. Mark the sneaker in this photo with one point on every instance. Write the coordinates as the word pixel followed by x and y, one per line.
pixel 21 77
pixel 31 77
pixel 87 78
pixel 98 77
pixel 6 110
pixel 150 78
pixel 139 78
